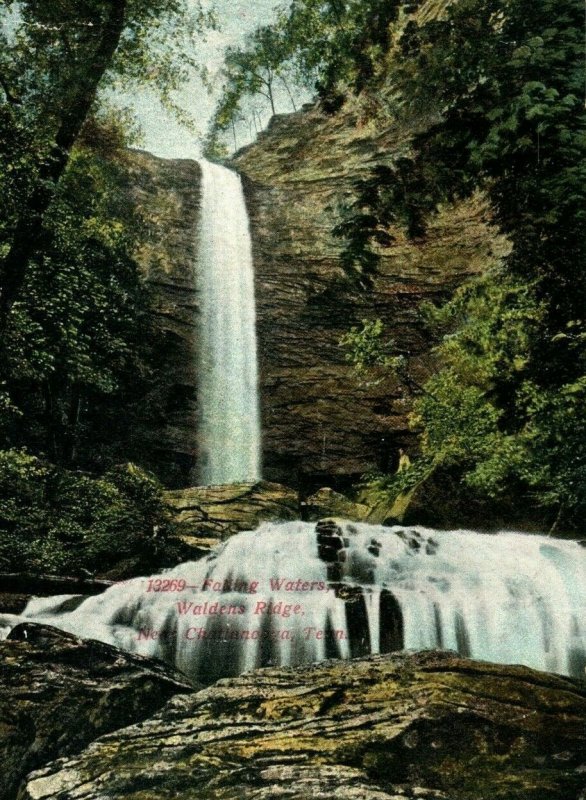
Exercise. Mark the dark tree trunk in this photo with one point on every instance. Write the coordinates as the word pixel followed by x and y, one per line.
pixel 270 91
pixel 70 443
pixel 29 227
pixel 51 440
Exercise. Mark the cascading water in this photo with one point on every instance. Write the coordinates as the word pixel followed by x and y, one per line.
pixel 292 593
pixel 229 425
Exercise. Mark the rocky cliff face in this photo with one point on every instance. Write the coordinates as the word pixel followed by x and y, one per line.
pixel 320 425
pixel 168 192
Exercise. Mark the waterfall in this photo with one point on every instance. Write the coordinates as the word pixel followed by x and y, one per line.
pixel 289 593
pixel 229 424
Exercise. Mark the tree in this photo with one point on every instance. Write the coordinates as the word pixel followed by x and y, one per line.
pixel 56 521
pixel 485 414
pixel 506 79
pixel 55 59
pixel 329 47
pixel 255 70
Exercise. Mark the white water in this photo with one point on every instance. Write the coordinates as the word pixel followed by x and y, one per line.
pixel 229 425
pixel 507 598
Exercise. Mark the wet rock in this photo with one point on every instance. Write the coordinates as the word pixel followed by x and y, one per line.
pixel 58 693
pixel 319 422
pixel 431 725
pixel 16 589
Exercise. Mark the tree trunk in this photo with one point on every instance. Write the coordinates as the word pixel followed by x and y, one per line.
pixel 51 425
pixel 286 85
pixel 71 436
pixel 28 233
pixel 270 91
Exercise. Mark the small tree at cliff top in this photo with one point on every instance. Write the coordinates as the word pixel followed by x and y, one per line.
pixel 315 46
pixel 261 69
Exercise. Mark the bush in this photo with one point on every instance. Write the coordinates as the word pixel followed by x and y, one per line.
pixel 56 521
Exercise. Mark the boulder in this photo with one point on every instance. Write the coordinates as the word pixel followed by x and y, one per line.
pixel 328 503
pixel 399 727
pixel 58 693
pixel 208 515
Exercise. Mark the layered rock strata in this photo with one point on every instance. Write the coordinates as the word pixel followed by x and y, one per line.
pixel 207 515
pixel 321 424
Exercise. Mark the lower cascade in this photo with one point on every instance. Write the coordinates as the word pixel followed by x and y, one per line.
pixel 292 593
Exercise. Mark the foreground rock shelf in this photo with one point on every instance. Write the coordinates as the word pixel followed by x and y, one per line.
pixel 399 727
pixel 58 693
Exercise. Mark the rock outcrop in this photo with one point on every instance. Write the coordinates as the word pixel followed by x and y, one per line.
pixel 58 693
pixel 328 503
pixel 209 514
pixel 399 727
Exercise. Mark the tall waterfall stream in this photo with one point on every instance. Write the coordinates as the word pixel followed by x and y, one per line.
pixel 229 422
pixel 292 593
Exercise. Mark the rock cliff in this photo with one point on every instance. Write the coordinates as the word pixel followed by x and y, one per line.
pixel 168 194
pixel 320 425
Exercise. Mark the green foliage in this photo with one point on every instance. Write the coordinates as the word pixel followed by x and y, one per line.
pixel 78 348
pixel 325 47
pixel 80 340
pixel 498 86
pixel 365 346
pixel 373 355
pixel 47 48
pixel 485 414
pixel 56 521
pixel 48 63
pixel 57 60
pixel 339 44
pixel 482 413
pixel 505 79
pixel 253 76
pixel 79 352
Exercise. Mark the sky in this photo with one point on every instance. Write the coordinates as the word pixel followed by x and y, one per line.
pixel 162 134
